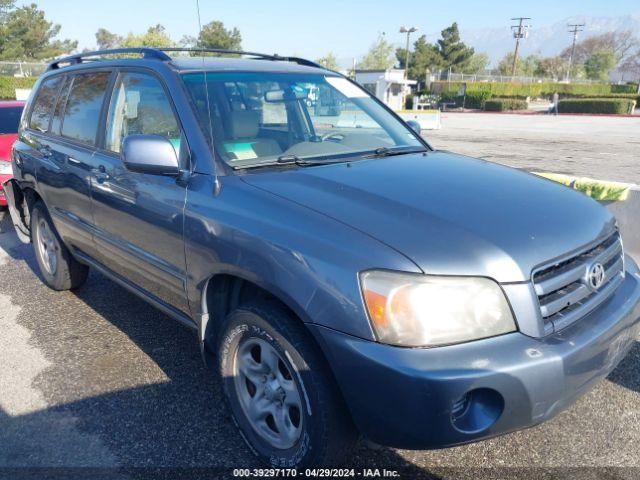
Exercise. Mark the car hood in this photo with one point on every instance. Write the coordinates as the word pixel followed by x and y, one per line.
pixel 450 214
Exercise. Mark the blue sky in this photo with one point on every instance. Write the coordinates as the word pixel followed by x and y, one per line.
pixel 311 29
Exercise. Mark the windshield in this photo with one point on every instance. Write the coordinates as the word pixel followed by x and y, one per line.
pixel 10 119
pixel 256 118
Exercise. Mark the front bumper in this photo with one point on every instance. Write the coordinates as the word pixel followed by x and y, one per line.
pixel 411 397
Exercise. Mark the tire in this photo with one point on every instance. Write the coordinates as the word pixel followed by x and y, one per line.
pixel 307 407
pixel 59 270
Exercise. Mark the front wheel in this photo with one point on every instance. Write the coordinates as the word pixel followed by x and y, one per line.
pixel 60 271
pixel 282 395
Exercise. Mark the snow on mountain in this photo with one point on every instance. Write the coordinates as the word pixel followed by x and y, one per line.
pixel 544 40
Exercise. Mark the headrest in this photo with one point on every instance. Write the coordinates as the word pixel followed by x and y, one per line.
pixel 244 123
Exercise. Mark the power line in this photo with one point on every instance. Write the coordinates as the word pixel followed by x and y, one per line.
pixel 520 31
pixel 574 28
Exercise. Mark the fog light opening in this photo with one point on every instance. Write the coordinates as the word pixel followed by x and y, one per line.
pixel 476 410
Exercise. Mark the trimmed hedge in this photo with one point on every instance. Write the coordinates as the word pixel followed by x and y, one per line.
pixel 524 90
pixel 8 86
pixel 476 99
pixel 504 104
pixel 629 96
pixel 596 105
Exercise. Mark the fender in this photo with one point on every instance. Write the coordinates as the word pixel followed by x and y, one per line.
pixel 18 210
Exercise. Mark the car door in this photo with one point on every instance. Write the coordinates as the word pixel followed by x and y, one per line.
pixel 139 217
pixel 71 144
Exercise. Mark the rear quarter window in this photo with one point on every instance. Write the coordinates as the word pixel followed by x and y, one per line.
pixel 82 110
pixel 43 104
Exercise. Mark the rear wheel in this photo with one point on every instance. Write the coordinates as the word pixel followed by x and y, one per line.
pixel 59 269
pixel 283 397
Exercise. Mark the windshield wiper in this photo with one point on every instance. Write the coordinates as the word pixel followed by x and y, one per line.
pixel 292 160
pixel 388 152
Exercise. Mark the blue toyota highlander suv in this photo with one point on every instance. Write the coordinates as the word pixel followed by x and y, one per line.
pixel 342 275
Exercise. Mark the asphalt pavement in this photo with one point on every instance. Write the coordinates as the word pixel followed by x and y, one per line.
pixel 603 147
pixel 97 384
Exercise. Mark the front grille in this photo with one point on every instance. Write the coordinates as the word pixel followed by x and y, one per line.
pixel 565 292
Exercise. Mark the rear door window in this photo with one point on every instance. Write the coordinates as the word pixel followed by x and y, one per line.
pixel 43 104
pixel 82 110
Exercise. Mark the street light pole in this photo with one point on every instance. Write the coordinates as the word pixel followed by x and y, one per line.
pixel 519 31
pixel 408 31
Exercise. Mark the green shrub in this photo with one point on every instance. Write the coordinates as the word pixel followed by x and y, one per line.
pixel 476 99
pixel 524 90
pixel 8 86
pixel 596 105
pixel 505 104
pixel 629 96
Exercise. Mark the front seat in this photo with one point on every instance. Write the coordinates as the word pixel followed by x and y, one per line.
pixel 244 126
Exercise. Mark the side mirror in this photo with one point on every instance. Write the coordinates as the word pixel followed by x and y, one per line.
pixel 415 126
pixel 152 154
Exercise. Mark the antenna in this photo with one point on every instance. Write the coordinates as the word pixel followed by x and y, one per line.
pixel 206 87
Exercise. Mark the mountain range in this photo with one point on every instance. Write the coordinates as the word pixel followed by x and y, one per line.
pixel 547 40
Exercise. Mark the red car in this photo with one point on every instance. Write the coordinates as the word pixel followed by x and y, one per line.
pixel 10 113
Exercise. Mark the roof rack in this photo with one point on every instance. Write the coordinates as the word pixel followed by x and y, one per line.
pixel 263 56
pixel 146 52
pixel 159 54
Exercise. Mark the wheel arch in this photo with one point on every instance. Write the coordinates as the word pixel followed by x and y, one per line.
pixel 21 200
pixel 226 290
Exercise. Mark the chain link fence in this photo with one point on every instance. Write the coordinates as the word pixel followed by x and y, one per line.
pixel 22 69
pixel 464 77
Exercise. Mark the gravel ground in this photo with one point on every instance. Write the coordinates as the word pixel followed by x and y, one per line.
pixel 607 148
pixel 98 384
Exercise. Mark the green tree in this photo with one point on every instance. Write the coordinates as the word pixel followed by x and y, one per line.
pixel 425 57
pixel 477 64
pixel 105 39
pixel 621 43
pixel 600 64
pixel 329 61
pixel 26 34
pixel 379 56
pixel 5 7
pixel 214 35
pixel 525 66
pixel 455 54
pixel 554 67
pixel 155 36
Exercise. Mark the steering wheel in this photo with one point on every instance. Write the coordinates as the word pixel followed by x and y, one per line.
pixel 333 137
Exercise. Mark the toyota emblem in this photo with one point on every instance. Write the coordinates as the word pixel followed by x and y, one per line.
pixel 596 275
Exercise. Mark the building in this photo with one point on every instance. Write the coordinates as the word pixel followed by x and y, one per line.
pixel 389 85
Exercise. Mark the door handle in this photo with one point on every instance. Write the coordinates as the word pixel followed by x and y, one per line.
pixel 73 160
pixel 45 151
pixel 100 174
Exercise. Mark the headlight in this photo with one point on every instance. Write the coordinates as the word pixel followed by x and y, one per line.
pixel 420 310
pixel 5 168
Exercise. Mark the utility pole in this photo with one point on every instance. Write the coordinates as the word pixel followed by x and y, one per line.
pixel 520 31
pixel 574 28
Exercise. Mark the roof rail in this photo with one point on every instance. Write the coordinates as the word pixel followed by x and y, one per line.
pixel 264 56
pixel 159 54
pixel 146 52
